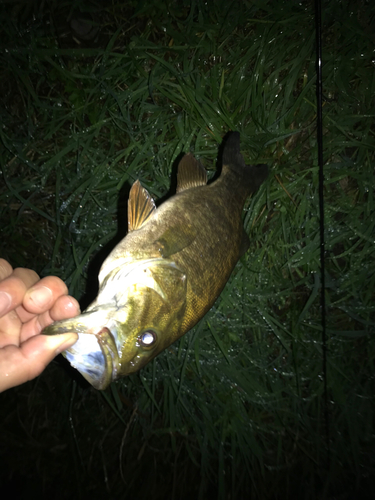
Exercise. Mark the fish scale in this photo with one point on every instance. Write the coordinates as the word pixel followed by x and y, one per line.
pixel 164 276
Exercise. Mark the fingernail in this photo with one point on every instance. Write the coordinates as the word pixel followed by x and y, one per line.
pixel 41 296
pixel 73 306
pixel 5 302
pixel 61 342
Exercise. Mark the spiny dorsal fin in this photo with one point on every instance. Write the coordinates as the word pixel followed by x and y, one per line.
pixel 140 206
pixel 190 174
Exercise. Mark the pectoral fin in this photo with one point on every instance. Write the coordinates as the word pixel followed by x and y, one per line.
pixel 171 282
pixel 175 239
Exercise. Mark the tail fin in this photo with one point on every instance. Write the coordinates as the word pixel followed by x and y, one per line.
pixel 251 175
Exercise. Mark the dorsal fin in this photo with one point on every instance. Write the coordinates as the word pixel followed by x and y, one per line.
pixel 140 206
pixel 190 174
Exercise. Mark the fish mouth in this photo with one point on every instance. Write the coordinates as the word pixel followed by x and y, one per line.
pixel 95 353
pixel 95 356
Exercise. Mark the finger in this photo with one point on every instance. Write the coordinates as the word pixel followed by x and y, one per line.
pixel 28 276
pixel 41 297
pixel 14 287
pixel 10 328
pixel 44 294
pixel 5 269
pixel 64 307
pixel 12 291
pixel 18 365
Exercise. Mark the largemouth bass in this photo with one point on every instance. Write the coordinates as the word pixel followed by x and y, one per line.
pixel 163 277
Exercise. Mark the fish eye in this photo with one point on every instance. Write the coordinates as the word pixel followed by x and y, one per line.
pixel 147 338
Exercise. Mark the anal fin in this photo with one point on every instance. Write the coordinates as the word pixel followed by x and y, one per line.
pixel 245 243
pixel 175 239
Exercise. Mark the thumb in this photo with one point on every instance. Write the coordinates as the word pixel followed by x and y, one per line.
pixel 20 364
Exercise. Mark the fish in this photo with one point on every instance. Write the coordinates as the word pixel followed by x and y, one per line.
pixel 167 272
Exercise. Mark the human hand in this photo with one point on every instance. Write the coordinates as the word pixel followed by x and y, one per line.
pixel 27 305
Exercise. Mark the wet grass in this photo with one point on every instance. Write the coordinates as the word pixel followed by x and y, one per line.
pixel 236 408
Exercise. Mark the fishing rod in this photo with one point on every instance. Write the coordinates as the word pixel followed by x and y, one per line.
pixel 319 121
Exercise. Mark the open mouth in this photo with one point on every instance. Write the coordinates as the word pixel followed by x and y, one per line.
pixel 95 356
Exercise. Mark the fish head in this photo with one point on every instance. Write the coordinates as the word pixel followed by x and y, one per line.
pixel 150 312
pixel 137 314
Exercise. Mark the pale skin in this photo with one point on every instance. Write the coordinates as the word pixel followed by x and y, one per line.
pixel 27 305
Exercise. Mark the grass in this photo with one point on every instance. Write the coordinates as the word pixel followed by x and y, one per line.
pixel 236 408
